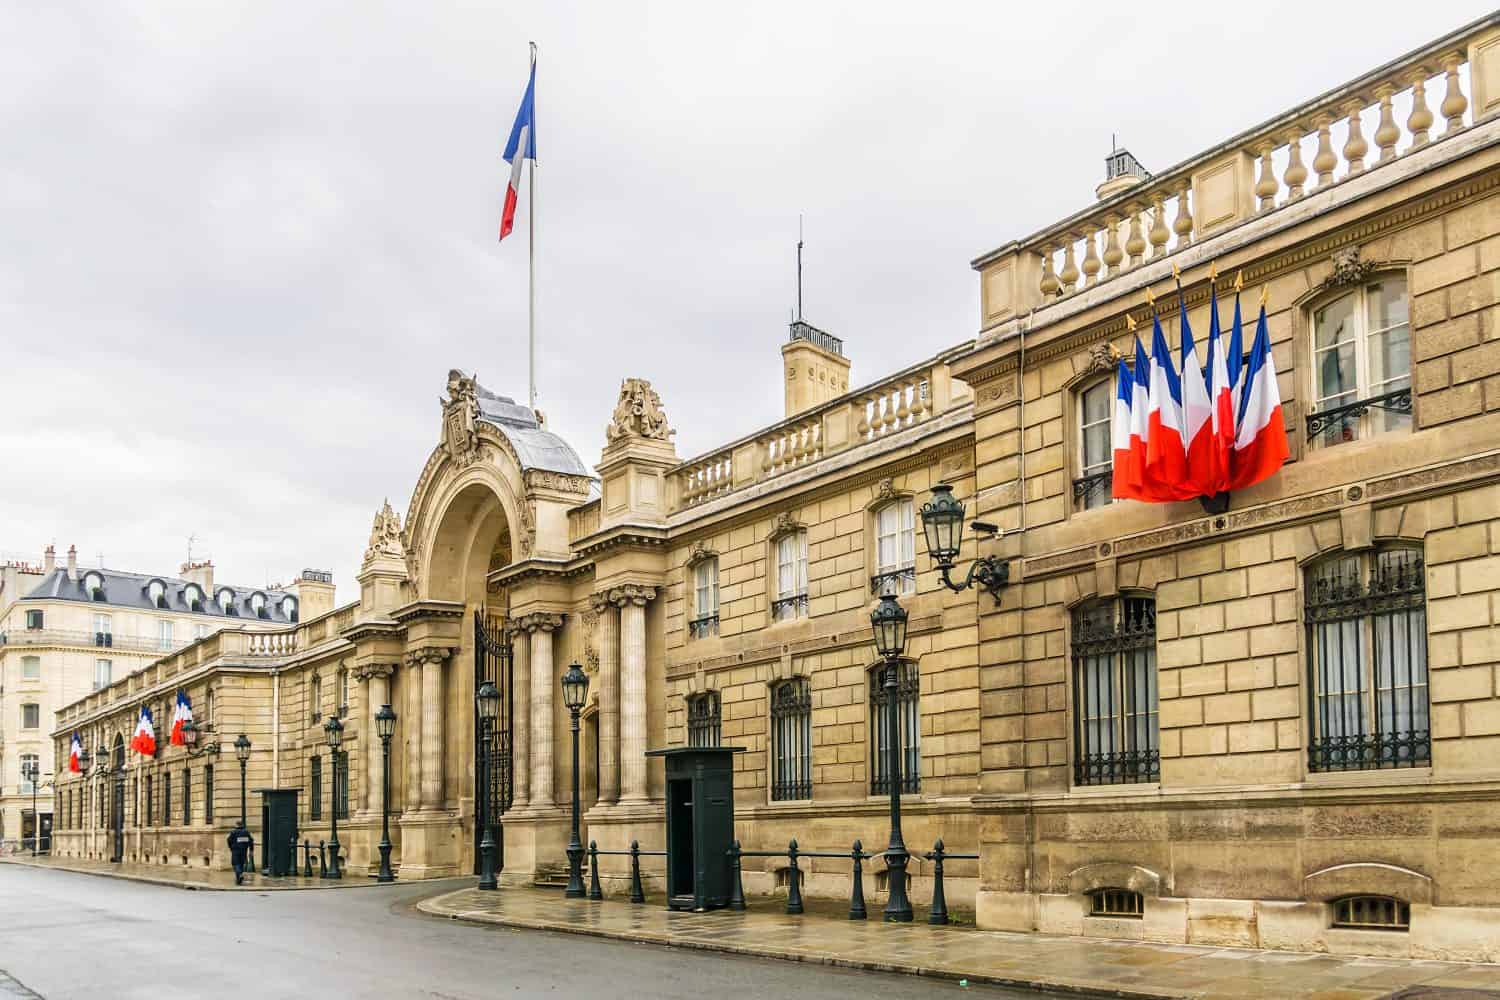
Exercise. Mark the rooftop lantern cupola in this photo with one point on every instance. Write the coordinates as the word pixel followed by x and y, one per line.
pixel 1121 172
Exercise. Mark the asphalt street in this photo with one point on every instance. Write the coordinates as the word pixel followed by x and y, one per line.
pixel 68 935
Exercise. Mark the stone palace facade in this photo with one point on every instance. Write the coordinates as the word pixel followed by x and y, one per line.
pixel 1274 725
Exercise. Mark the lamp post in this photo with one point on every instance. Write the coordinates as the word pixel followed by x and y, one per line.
pixel 334 730
pixel 101 768
pixel 487 700
pixel 85 761
pixel 385 726
pixel 575 685
pixel 889 622
pixel 242 754
pixel 32 772
pixel 943 524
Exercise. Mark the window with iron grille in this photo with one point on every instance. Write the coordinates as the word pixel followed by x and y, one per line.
pixel 908 722
pixel 1093 487
pixel 703 720
pixel 150 801
pixel 166 799
pixel 208 793
pixel 1372 913
pixel 791 577
pixel 705 620
pixel 315 779
pixel 1367 661
pixel 1116 903
pixel 1115 728
pixel 187 797
pixel 341 783
pixel 791 738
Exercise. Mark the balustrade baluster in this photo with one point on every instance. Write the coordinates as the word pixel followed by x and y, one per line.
pixel 1135 243
pixel 1355 146
pixel 1183 226
pixel 1069 273
pixel 1160 234
pixel 1454 101
pixel 1050 285
pixel 1325 161
pixel 903 409
pixel 862 429
pixel 1419 122
pixel 1091 264
pixel 1112 252
pixel 1386 133
pixel 1266 187
pixel 888 405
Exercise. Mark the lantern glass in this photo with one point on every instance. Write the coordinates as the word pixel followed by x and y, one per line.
pixel 575 685
pixel 189 733
pixel 488 700
pixel 943 523
pixel 334 730
pixel 889 623
pixel 242 748
pixel 385 722
pixel 101 757
pixel 84 760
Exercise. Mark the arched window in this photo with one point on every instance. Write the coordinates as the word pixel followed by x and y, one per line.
pixel 1361 364
pixel 791 740
pixel 156 592
pixel 258 605
pixel 1094 485
pixel 192 594
pixel 1367 660
pixel 93 585
pixel 1116 903
pixel 704 725
pixel 289 608
pixel 225 597
pixel 1115 730
pixel 1372 913
pixel 908 728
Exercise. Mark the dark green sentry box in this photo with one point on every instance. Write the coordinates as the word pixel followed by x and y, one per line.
pixel 700 825
pixel 278 825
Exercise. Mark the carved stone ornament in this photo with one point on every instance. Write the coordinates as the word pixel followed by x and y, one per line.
pixel 638 414
pixel 1348 269
pixel 526 538
pixel 885 490
pixel 700 552
pixel 543 621
pixel 427 654
pixel 590 630
pixel 385 535
pixel 632 594
pixel 540 479
pixel 786 524
pixel 414 563
pixel 364 673
pixel 1103 358
pixel 461 418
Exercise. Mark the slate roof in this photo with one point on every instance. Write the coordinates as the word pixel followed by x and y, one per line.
pixel 536 447
pixel 131 590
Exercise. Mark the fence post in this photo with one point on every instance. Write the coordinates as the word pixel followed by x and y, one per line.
pixel 737 886
pixel 293 872
pixel 322 859
pixel 794 880
pixel 637 894
pixel 307 859
pixel 939 912
pixel 595 893
pixel 857 890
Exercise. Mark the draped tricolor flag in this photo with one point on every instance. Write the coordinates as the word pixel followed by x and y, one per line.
pixel 182 712
pixel 75 750
pixel 143 741
pixel 1260 433
pixel 520 147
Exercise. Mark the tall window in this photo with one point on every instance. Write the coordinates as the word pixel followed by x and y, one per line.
pixel 103 630
pixel 315 778
pixel 705 599
pixel 791 737
pixel 315 699
pixel 703 720
pixel 908 718
pixel 343 679
pixel 1115 728
pixel 187 796
pixel 150 801
pixel 31 715
pixel 29 763
pixel 208 793
pixel 163 635
pixel 1367 661
pixel 31 668
pixel 202 630
pixel 1361 364
pixel 895 548
pixel 1096 455
pixel 341 784
pixel 103 670
pixel 166 798
pixel 791 577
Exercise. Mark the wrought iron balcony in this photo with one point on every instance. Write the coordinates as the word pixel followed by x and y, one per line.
pixel 788 608
pixel 893 578
pixel 703 628
pixel 1373 751
pixel 1088 488
pixel 1345 417
pixel 1126 767
pixel 79 637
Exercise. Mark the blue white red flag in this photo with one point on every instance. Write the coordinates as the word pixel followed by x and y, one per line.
pixel 1221 396
pixel 1126 481
pixel 1166 452
pixel 1197 412
pixel 1260 445
pixel 75 750
pixel 182 712
pixel 520 147
pixel 143 740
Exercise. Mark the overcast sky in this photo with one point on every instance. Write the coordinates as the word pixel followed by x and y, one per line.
pixel 241 244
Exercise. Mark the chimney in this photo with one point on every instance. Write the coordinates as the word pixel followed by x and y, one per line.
pixel 72 562
pixel 201 573
pixel 49 559
pixel 314 591
pixel 815 366
pixel 1122 171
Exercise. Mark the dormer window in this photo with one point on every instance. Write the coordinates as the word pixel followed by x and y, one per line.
pixel 258 605
pixel 93 585
pixel 289 608
pixel 225 598
pixel 192 595
pixel 156 590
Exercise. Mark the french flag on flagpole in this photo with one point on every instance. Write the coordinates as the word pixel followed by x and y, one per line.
pixel 1166 456
pixel 1140 425
pixel 1197 412
pixel 75 750
pixel 520 147
pixel 1126 482
pixel 143 740
pixel 181 712
pixel 1260 445
pixel 1220 392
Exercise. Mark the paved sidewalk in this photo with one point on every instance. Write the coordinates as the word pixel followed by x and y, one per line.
pixel 187 878
pixel 1077 965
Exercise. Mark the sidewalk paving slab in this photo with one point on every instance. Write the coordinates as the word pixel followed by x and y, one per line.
pixel 203 879
pixel 1066 965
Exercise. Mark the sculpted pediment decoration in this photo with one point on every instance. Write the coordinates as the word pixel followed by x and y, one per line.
pixel 1102 358
pixel 1348 269
pixel 541 479
pixel 461 418
pixel 385 535
pixel 638 414
pixel 786 523
pixel 700 552
pixel 885 489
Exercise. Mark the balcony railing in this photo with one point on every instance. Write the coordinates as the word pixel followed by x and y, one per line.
pixel 78 637
pixel 702 628
pixel 1342 422
pixel 1401 107
pixel 787 608
pixel 905 400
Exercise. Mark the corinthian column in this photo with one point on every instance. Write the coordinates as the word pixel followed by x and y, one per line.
pixel 376 680
pixel 609 698
pixel 411 727
pixel 543 681
pixel 632 602
pixel 520 739
pixel 433 658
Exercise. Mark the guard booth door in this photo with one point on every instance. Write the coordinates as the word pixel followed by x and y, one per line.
pixel 700 825
pixel 117 821
pixel 278 830
pixel 681 856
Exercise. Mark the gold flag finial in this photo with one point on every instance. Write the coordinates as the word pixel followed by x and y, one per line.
pixel 1130 322
pixel 1151 297
pixel 1265 293
pixel 1213 271
pixel 1239 281
pixel 1176 273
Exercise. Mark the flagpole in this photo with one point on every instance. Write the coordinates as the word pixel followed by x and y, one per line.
pixel 531 257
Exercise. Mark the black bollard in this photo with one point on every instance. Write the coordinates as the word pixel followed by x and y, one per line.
pixel 939 912
pixel 307 871
pixel 595 893
pixel 793 880
pixel 293 857
pixel 857 890
pixel 737 886
pixel 637 894
pixel 322 859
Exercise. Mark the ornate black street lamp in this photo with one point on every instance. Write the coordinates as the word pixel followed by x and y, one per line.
pixel 334 730
pixel 487 700
pixel 85 761
pixel 242 754
pixel 943 524
pixel 101 768
pixel 575 685
pixel 32 771
pixel 192 735
pixel 385 727
pixel 889 622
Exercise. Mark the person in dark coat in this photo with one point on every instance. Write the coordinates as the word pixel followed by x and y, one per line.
pixel 241 850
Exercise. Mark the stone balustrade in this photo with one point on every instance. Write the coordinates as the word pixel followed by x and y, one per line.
pixel 1422 98
pixel 905 400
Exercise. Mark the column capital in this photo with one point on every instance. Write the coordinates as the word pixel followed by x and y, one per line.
pixel 368 670
pixel 631 593
pixel 427 654
pixel 600 602
pixel 539 621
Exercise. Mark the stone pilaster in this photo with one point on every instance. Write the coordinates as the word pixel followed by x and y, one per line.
pixel 609 698
pixel 375 680
pixel 433 659
pixel 543 682
pixel 632 601
pixel 520 739
pixel 411 727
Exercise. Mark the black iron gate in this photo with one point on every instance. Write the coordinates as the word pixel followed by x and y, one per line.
pixel 492 773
